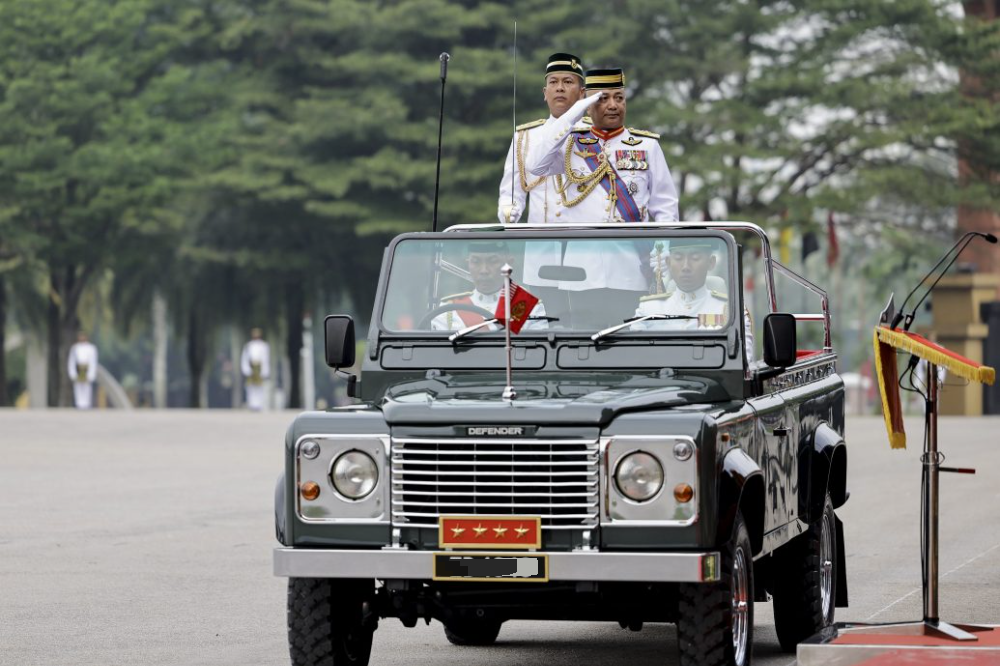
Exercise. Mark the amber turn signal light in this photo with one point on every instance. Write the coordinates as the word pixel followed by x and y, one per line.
pixel 683 493
pixel 309 490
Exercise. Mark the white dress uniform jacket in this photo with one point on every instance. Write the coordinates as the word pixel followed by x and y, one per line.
pixel 82 369
pixel 256 354
pixel 701 301
pixel 456 320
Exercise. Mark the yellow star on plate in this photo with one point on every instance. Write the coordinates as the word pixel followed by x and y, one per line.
pixel 521 531
pixel 500 531
pixel 455 531
pixel 479 530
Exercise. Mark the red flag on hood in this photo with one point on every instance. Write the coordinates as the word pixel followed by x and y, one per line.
pixel 521 304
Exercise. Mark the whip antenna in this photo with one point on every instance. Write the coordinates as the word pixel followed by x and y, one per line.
pixel 514 156
pixel 444 58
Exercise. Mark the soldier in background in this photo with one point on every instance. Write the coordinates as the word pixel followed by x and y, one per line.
pixel 82 369
pixel 255 364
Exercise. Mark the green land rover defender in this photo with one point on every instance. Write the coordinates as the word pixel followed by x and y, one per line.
pixel 660 441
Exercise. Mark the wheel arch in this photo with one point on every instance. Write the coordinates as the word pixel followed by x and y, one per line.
pixel 741 488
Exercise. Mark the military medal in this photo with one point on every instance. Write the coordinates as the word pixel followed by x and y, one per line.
pixel 631 160
pixel 633 187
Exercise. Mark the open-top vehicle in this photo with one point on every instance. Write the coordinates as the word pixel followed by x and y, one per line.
pixel 660 469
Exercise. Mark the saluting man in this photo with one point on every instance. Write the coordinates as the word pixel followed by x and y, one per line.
pixel 690 261
pixel 255 365
pixel 82 369
pixel 485 260
pixel 611 174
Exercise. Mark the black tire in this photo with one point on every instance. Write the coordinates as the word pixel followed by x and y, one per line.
pixel 805 592
pixel 327 621
pixel 472 631
pixel 711 614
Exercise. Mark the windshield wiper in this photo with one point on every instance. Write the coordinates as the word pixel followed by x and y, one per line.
pixel 634 320
pixel 475 327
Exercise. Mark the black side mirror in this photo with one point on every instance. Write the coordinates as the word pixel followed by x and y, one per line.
pixel 339 339
pixel 779 340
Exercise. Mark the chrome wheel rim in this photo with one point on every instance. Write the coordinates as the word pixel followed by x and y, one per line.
pixel 741 606
pixel 826 565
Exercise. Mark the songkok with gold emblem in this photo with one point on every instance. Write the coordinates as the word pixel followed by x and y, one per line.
pixel 605 79
pixel 564 62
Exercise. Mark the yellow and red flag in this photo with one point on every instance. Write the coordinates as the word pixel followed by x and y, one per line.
pixel 522 302
pixel 887 341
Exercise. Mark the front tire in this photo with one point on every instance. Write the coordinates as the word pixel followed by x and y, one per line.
pixel 715 627
pixel 330 621
pixel 805 596
pixel 472 631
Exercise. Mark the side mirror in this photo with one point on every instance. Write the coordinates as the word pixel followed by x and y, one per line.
pixel 339 339
pixel 779 340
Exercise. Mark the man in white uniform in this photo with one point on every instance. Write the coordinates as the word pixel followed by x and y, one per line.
pixel 563 87
pixel 82 369
pixel 485 260
pixel 255 364
pixel 612 174
pixel 690 261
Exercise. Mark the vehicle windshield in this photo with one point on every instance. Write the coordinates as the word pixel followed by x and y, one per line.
pixel 582 284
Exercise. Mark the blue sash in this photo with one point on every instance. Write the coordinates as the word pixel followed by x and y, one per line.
pixel 627 207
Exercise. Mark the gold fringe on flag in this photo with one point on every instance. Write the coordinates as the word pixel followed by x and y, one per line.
pixel 888 388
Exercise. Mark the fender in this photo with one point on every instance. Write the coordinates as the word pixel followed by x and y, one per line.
pixel 822 468
pixel 280 515
pixel 741 486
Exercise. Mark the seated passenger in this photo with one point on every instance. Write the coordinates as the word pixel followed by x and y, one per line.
pixel 484 262
pixel 689 263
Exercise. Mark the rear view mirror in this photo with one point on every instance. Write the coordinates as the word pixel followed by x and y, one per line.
pixel 339 339
pixel 779 340
pixel 562 273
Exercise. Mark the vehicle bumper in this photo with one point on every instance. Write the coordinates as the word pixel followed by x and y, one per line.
pixel 595 566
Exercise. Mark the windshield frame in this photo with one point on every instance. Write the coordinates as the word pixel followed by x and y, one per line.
pixel 576 233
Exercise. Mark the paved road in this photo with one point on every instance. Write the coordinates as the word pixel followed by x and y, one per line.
pixel 145 538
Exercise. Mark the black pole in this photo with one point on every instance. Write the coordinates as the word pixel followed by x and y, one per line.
pixel 444 58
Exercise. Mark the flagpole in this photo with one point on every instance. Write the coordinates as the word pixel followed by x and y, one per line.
pixel 508 393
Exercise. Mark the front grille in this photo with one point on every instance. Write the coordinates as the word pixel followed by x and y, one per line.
pixel 554 479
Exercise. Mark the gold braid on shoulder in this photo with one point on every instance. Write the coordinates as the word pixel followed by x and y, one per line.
pixel 585 183
pixel 522 144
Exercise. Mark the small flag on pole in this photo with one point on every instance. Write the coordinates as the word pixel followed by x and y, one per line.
pixel 521 304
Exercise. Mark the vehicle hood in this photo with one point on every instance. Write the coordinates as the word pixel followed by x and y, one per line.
pixel 586 401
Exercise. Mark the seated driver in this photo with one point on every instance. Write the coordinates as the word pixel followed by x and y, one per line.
pixel 484 262
pixel 689 263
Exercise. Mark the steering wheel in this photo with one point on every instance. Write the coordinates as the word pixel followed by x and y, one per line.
pixel 425 321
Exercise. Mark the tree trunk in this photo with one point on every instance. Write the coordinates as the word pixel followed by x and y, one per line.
pixel 56 364
pixel 4 399
pixel 63 324
pixel 197 352
pixel 159 350
pixel 294 305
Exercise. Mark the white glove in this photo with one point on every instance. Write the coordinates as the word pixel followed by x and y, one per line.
pixel 660 261
pixel 510 213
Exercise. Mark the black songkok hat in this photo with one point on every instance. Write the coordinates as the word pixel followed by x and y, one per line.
pixel 605 79
pixel 564 62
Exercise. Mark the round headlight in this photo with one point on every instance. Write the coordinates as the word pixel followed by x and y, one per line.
pixel 639 476
pixel 354 475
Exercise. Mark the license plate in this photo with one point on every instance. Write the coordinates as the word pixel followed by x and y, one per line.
pixel 492 567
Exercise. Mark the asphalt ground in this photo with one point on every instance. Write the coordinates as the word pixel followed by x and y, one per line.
pixel 146 538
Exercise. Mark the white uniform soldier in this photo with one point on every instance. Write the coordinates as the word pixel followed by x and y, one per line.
pixel 82 368
pixel 485 260
pixel 611 174
pixel 255 365
pixel 690 261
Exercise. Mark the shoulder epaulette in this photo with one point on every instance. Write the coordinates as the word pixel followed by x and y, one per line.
pixel 587 120
pixel 579 130
pixel 457 296
pixel 533 123
pixel 655 297
pixel 719 294
pixel 651 135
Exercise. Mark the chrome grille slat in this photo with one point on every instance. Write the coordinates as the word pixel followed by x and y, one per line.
pixel 554 479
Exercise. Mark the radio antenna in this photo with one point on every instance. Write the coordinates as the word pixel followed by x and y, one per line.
pixel 513 156
pixel 444 58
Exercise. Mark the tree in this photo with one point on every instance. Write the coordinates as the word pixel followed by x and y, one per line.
pixel 98 129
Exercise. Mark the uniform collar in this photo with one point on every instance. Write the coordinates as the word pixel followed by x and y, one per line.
pixel 495 296
pixel 693 296
pixel 607 135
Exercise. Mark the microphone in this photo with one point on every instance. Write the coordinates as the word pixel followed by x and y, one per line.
pixel 444 57
pixel 966 239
